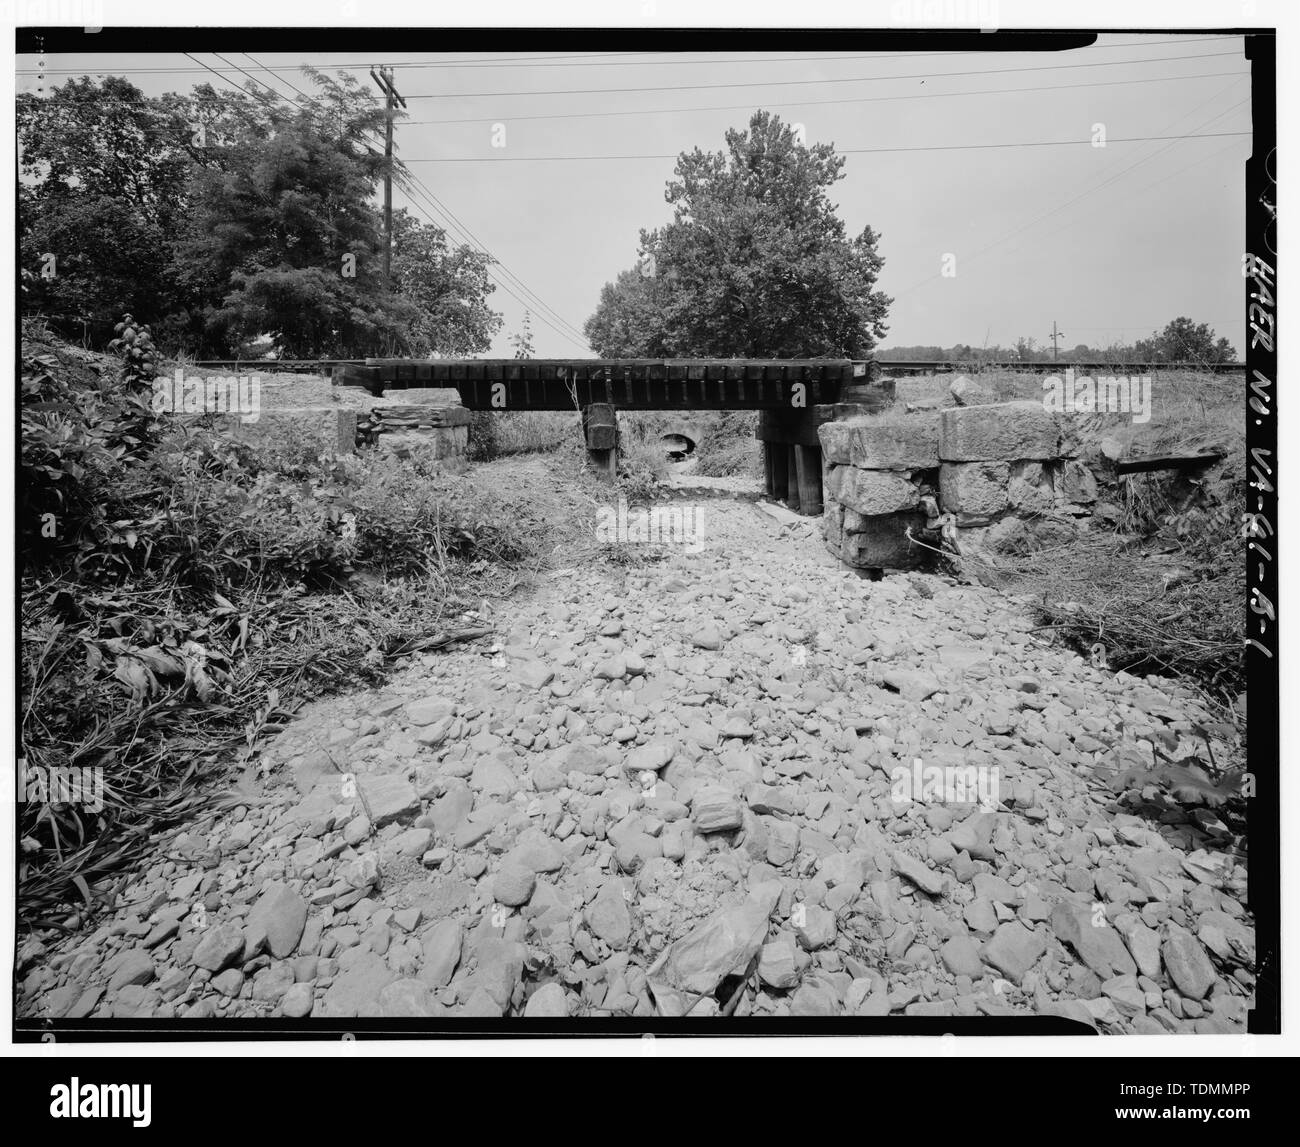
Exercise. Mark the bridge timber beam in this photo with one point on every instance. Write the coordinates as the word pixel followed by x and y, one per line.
pixel 794 396
pixel 629 384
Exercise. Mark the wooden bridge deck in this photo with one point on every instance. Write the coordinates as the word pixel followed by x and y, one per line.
pixel 629 384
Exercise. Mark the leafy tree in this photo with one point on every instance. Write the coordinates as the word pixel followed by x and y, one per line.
pixel 285 236
pixel 629 321
pixel 1185 341
pixel 448 287
pixel 224 216
pixel 522 341
pixel 913 353
pixel 103 178
pixel 1027 350
pixel 91 256
pixel 756 262
pixel 103 139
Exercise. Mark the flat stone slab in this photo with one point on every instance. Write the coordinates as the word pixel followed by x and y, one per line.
pixel 1002 432
pixel 388 798
pixel 873 444
pixel 871 491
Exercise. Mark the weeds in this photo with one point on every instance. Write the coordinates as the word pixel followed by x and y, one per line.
pixel 1164 591
pixel 183 592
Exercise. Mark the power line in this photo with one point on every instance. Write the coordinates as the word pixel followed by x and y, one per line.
pixel 822 103
pixel 754 83
pixel 1088 191
pixel 475 241
pixel 792 103
pixel 224 79
pixel 523 60
pixel 670 59
pixel 665 59
pixel 838 150
pixel 454 224
pixel 1143 190
pixel 258 85
pixel 504 286
pixel 835 80
pixel 279 77
pixel 1145 326
pixel 1092 191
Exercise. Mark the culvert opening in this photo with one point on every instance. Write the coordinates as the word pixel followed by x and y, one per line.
pixel 677 447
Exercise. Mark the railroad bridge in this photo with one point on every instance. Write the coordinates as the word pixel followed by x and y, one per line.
pixel 794 397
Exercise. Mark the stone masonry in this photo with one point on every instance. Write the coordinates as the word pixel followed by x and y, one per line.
pixel 876 473
pixel 994 467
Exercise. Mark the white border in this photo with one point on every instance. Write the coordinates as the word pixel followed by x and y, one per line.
pixel 1095 14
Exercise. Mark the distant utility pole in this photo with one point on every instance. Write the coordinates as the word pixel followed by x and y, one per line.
pixel 384 78
pixel 1055 335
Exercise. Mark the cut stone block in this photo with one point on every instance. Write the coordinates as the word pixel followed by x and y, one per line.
pixel 975 491
pixel 1019 535
pixel 906 444
pixel 394 417
pixel 1031 487
pixel 715 809
pixel 833 524
pixel 335 427
pixel 437 444
pixel 425 396
pixel 880 541
pixel 968 393
pixel 1003 432
pixel 389 798
pixel 871 491
pixel 1077 483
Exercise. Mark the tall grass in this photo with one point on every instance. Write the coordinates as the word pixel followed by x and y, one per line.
pixel 1164 590
pixel 500 434
pixel 197 588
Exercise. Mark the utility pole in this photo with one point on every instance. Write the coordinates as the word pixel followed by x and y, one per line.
pixel 384 78
pixel 1055 335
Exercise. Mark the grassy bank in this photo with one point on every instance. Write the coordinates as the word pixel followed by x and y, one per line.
pixel 1158 580
pixel 182 593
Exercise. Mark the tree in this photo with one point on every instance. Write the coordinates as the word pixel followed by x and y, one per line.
pixel 104 176
pixel 284 239
pixel 1027 350
pixel 91 257
pixel 224 216
pixel 103 139
pixel 448 287
pixel 756 262
pixel 523 340
pixel 1185 341
pixel 629 320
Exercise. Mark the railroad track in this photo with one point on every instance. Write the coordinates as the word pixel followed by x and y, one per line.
pixel 887 366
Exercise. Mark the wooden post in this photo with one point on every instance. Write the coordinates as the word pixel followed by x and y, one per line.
pixel 768 464
pixel 601 431
pixel 392 99
pixel 776 451
pixel 808 462
pixel 792 479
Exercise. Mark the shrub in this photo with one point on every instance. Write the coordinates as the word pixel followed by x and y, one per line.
pixel 482 436
pixel 81 436
pixel 134 343
pixel 729 447
pixel 187 598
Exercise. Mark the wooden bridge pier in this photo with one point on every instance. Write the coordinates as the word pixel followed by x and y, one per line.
pixel 793 397
pixel 792 457
pixel 600 429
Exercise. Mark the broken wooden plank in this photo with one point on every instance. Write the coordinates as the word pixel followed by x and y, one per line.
pixel 1166 462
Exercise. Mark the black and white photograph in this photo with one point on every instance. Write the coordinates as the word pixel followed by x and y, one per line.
pixel 605 533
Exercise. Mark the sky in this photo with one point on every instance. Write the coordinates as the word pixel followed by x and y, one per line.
pixel 1110 243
